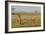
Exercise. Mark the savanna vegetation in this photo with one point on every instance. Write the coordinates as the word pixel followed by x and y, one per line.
pixel 26 19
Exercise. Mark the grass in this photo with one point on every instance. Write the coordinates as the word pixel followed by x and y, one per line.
pixel 27 20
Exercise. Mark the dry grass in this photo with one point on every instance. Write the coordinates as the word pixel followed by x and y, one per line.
pixel 33 20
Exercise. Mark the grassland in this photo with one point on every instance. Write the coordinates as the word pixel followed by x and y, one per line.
pixel 27 20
